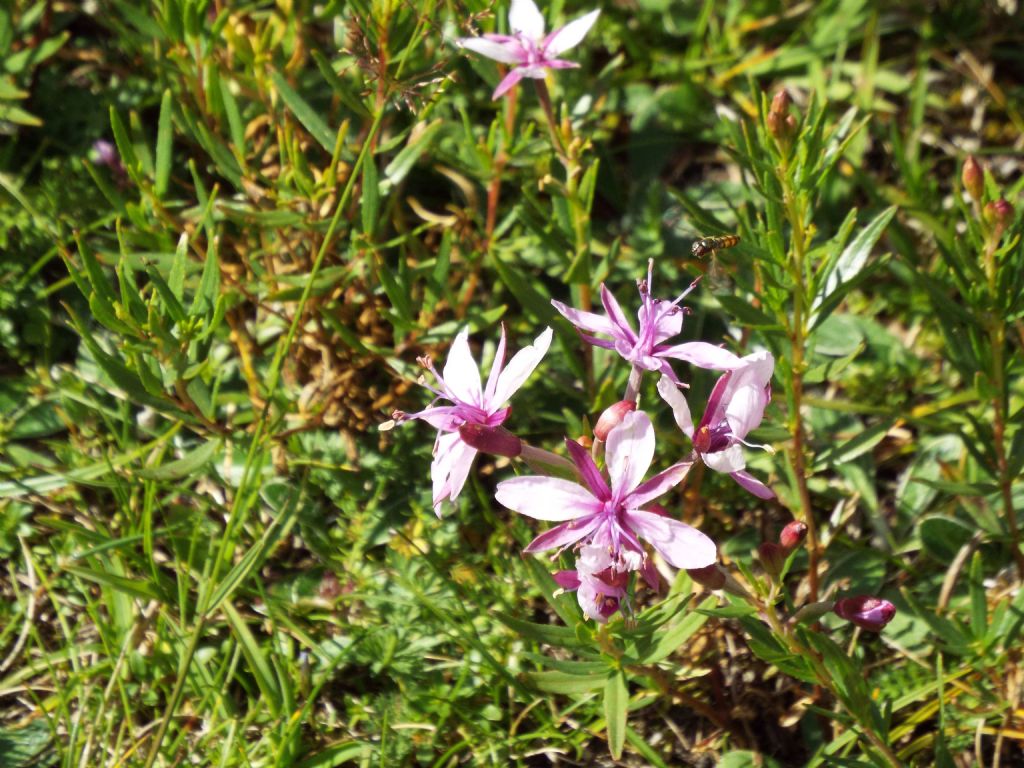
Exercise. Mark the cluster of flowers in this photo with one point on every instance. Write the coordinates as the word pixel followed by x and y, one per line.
pixel 604 514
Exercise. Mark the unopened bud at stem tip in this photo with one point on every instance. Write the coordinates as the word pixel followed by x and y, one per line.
pixel 612 417
pixel 793 535
pixel 973 178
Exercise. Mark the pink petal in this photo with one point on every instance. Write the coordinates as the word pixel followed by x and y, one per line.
pixel 506 53
pixel 524 17
pixel 546 498
pixel 563 535
pixel 443 417
pixel 507 82
pixel 588 321
pixel 618 318
pixel 496 365
pixel 681 545
pixel 570 35
pixel 461 375
pixel 748 393
pixel 519 369
pixel 752 484
pixel 630 452
pixel 588 470
pixel 680 410
pixel 702 354
pixel 452 462
pixel 658 485
pixel 566 579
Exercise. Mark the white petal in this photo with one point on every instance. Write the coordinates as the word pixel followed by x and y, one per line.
pixel 748 396
pixel 545 498
pixel 730 460
pixel 524 17
pixel 630 452
pixel 519 369
pixel 450 468
pixel 506 53
pixel 670 394
pixel 461 375
pixel 571 34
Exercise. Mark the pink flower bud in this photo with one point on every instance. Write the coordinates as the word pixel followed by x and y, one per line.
pixel 999 214
pixel 710 576
pixel 792 535
pixel 612 417
pixel 496 441
pixel 781 124
pixel 870 613
pixel 973 178
pixel 773 557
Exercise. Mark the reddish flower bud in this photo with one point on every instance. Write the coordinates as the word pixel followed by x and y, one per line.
pixel 710 576
pixel 773 557
pixel 999 214
pixel 612 417
pixel 496 441
pixel 973 178
pixel 781 124
pixel 793 535
pixel 870 613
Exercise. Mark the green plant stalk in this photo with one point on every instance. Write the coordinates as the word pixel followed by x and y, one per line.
pixel 259 437
pixel 824 678
pixel 798 337
pixel 997 342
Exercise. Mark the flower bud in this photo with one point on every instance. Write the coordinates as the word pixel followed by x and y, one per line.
pixel 870 613
pixel 496 441
pixel 773 557
pixel 999 215
pixel 792 535
pixel 612 417
pixel 973 178
pixel 812 612
pixel 710 576
pixel 781 124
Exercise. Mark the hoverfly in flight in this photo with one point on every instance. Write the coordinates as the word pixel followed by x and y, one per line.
pixel 706 245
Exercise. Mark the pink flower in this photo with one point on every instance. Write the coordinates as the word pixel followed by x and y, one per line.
pixel 736 406
pixel 527 47
pixel 659 321
pixel 611 516
pixel 599 587
pixel 470 404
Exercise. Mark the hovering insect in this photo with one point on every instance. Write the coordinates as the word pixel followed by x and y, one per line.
pixel 706 245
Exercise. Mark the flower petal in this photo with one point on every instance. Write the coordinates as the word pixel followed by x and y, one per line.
pixel 588 321
pixel 568 580
pixel 563 535
pixel 461 375
pixel 658 484
pixel 450 467
pixel 546 498
pixel 507 82
pixel 749 393
pixel 752 484
pixel 563 39
pixel 730 460
pixel 683 546
pixel 617 316
pixel 505 52
pixel 703 355
pixel 588 470
pixel 524 17
pixel 519 369
pixel 629 453
pixel 680 410
pixel 496 365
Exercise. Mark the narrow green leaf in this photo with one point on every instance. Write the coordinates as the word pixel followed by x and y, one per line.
pixel 259 664
pixel 668 641
pixel 133 587
pixel 979 601
pixel 164 137
pixel 566 682
pixel 124 143
pixel 551 634
pixel 186 466
pixel 306 114
pixel 371 196
pixel 854 257
pixel 616 706
pixel 420 140
pixel 336 755
pixel 176 280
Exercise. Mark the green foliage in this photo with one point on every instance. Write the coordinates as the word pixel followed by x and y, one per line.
pixel 210 553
